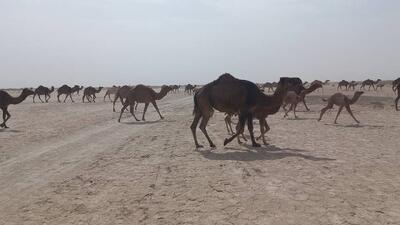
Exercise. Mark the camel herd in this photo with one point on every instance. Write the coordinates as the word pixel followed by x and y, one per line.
pixel 226 94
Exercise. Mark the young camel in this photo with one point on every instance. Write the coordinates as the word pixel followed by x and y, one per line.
pixel 6 100
pixel 41 90
pixel 341 100
pixel 293 99
pixel 146 95
pixel 90 93
pixel 230 95
pixel 67 91
pixel 122 93
pixel 397 88
pixel 111 91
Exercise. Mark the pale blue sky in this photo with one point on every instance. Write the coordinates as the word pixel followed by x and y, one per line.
pixel 105 42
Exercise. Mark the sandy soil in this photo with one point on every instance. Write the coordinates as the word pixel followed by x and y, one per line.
pixel 74 164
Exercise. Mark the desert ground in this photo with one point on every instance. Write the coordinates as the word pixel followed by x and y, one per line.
pixel 73 163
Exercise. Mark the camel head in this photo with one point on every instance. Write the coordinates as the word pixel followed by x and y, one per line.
pixel 166 88
pixel 27 92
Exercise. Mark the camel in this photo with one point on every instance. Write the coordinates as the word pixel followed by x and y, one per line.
pixel 341 100
pixel 146 95
pixel 189 88
pixel 121 94
pixel 41 90
pixel 397 88
pixel 298 88
pixel 293 99
pixel 395 83
pixel 269 86
pixel 175 88
pixel 67 91
pixel 6 100
pixel 320 83
pixel 77 89
pixel 343 83
pixel 231 95
pixel 369 83
pixel 110 91
pixel 379 85
pixel 90 93
pixel 352 85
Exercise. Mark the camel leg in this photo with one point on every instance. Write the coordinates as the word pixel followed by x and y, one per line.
pixel 6 116
pixel 104 99
pixel 294 110
pixel 144 110
pixel 83 98
pixel 227 123
pixel 251 130
pixel 122 111
pixel 304 102
pixel 338 113
pixel 193 127
pixel 396 102
pixel 131 110
pixel 329 106
pixel 34 95
pixel 239 129
pixel 66 96
pixel 47 97
pixel 351 113
pixel 286 111
pixel 58 98
pixel 263 126
pixel 155 106
pixel 202 127
pixel 40 99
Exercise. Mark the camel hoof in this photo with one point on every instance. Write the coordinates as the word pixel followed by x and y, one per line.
pixel 162 118
pixel 256 145
pixel 212 146
pixel 199 146
pixel 226 141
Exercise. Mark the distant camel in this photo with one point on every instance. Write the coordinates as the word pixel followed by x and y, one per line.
pixel 77 90
pixel 121 94
pixel 293 99
pixel 369 83
pixel 67 91
pixel 352 85
pixel 175 88
pixel 341 100
pixel 146 95
pixel 230 95
pixel 320 83
pixel 110 91
pixel 6 100
pixel 90 93
pixel 189 88
pixel 269 86
pixel 397 88
pixel 343 83
pixel 395 83
pixel 380 85
pixel 41 90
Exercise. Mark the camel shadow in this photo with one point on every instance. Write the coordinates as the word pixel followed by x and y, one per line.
pixel 355 125
pixel 10 131
pixel 261 153
pixel 299 118
pixel 148 122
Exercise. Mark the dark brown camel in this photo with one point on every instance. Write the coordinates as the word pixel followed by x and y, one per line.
pixel 395 83
pixel 146 95
pixel 6 100
pixel 41 90
pixel 275 102
pixel 77 89
pixel 341 100
pixel 370 83
pixel 343 83
pixel 230 95
pixel 189 88
pixel 397 88
pixel 121 94
pixel 90 93
pixel 67 91
pixel 352 85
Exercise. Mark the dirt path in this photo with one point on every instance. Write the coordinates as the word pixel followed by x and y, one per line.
pixel 88 169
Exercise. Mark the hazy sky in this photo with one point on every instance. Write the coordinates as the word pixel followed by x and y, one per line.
pixel 104 42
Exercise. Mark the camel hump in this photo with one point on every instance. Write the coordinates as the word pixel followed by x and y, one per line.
pixel 226 77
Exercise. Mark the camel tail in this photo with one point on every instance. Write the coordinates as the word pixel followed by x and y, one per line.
pixel 196 104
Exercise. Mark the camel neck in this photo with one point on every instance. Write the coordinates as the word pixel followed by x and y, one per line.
pixel 161 94
pixel 355 98
pixel 18 99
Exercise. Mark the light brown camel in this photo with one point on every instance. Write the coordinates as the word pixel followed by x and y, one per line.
pixel 67 91
pixel 369 83
pixel 146 95
pixel 41 90
pixel 111 91
pixel 395 83
pixel 293 99
pixel 6 100
pixel 90 93
pixel 343 83
pixel 341 100
pixel 121 94
pixel 230 95
pixel 396 101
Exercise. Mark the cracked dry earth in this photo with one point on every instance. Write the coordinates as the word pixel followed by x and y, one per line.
pixel 74 164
